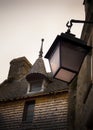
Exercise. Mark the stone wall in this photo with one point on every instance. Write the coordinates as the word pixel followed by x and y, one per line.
pixel 51 113
pixel 11 115
pixel 84 96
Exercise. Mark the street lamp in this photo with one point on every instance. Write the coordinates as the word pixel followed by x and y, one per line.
pixel 66 54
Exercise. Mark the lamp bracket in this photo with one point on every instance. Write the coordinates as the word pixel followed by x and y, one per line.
pixel 69 23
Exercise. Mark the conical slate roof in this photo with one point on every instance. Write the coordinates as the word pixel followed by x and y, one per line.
pixel 38 70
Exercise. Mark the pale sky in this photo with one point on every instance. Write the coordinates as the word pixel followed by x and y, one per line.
pixel 23 23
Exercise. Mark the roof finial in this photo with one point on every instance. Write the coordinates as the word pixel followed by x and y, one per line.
pixel 41 49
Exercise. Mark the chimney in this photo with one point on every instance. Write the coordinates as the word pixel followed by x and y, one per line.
pixel 19 67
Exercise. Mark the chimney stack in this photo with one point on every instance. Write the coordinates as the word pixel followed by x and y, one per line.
pixel 19 67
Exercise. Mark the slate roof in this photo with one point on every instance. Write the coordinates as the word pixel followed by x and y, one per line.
pixel 17 89
pixel 14 89
pixel 38 69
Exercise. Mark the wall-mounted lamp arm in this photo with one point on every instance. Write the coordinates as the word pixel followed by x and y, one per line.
pixel 70 23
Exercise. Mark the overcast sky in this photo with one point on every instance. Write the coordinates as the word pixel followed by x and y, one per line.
pixel 24 22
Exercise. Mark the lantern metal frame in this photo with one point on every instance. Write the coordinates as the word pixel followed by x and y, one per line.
pixel 75 41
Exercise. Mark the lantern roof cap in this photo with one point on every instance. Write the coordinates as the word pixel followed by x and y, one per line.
pixel 67 37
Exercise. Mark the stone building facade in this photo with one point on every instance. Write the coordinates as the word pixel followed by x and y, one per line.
pixel 84 94
pixel 30 99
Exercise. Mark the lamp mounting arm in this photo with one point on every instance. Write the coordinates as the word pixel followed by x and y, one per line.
pixel 70 23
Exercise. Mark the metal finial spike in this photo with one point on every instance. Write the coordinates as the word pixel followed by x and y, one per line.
pixel 42 40
pixel 41 49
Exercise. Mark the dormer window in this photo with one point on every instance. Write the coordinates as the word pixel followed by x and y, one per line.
pixel 37 75
pixel 36 86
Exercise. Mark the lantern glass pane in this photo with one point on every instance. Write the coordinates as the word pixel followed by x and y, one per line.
pixel 65 75
pixel 55 60
pixel 72 56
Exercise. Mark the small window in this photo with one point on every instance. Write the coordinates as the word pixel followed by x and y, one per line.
pixel 29 111
pixel 35 86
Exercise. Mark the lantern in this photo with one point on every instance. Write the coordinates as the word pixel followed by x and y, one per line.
pixel 66 56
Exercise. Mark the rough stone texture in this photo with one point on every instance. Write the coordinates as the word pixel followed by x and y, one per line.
pixel 88 9
pixel 11 115
pixel 19 67
pixel 72 105
pixel 51 113
pixel 84 96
